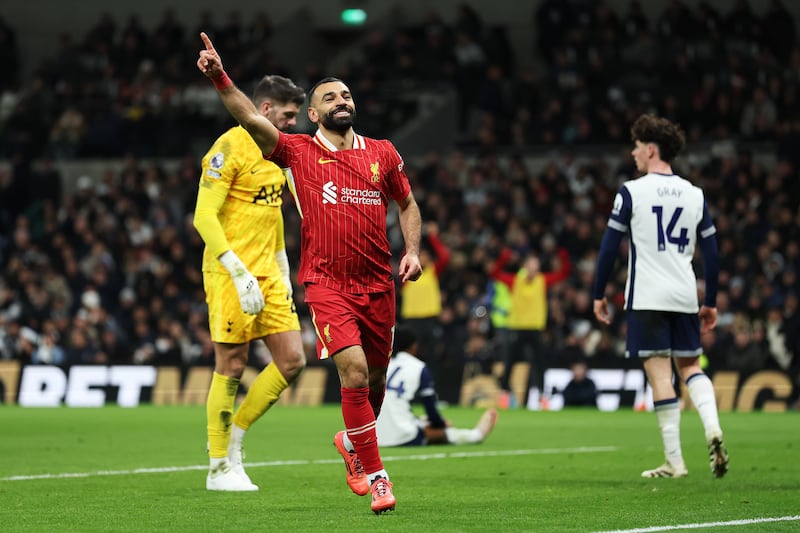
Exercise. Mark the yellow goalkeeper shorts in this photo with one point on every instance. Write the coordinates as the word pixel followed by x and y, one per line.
pixel 229 324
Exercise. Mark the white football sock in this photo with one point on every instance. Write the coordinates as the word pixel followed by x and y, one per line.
pixel 237 436
pixel 701 390
pixel 669 421
pixel 375 475
pixel 215 462
pixel 463 436
pixel 348 444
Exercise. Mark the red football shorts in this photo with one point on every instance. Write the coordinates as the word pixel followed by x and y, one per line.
pixel 343 320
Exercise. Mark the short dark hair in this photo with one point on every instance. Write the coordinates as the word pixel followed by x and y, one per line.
pixel 320 82
pixel 669 136
pixel 279 90
pixel 404 339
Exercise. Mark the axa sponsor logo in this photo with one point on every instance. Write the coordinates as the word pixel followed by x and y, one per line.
pixel 346 195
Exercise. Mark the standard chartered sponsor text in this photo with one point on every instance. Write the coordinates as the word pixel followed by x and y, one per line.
pixel 360 196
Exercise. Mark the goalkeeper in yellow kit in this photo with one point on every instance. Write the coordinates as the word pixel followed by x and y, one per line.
pixel 246 279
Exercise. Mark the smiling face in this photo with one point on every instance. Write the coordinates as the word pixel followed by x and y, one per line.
pixel 332 107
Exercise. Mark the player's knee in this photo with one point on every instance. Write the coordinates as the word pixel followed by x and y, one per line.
pixel 294 364
pixel 354 378
pixel 230 366
pixel 230 359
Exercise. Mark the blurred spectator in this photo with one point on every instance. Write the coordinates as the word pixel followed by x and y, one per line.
pixel 79 348
pixel 581 391
pixel 776 337
pixel 527 317
pixel 497 302
pixel 759 116
pixel 26 345
pixel 421 301
pixel 749 352
pixel 48 351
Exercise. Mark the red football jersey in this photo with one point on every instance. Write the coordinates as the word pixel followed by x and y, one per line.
pixel 342 197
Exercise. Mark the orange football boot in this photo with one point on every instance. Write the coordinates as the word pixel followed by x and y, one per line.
pixel 382 497
pixel 356 478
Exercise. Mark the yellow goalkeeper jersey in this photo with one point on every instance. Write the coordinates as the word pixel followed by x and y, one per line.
pixel 239 204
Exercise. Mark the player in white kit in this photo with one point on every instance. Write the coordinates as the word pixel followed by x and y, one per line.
pixel 409 379
pixel 665 217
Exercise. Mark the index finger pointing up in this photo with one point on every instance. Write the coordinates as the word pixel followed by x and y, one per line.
pixel 207 41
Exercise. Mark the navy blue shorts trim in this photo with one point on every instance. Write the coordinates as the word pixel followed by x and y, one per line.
pixel 662 333
pixel 419 440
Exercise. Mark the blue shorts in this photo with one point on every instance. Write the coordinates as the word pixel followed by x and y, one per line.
pixel 662 333
pixel 419 440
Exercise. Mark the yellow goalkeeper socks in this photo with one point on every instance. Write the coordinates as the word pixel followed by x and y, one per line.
pixel 263 392
pixel 219 413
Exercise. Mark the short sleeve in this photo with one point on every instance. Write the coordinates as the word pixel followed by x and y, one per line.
pixel 220 165
pixel 281 155
pixel 621 211
pixel 397 179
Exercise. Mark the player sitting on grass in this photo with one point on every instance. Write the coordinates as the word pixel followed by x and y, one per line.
pixel 408 378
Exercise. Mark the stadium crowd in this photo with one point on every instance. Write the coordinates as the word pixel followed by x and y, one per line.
pixel 124 88
pixel 110 274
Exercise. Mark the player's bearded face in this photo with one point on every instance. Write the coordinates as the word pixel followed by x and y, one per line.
pixel 339 119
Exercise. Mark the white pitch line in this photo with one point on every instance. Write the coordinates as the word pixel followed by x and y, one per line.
pixel 703 525
pixel 420 457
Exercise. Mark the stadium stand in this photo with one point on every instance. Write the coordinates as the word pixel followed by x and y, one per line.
pixel 103 267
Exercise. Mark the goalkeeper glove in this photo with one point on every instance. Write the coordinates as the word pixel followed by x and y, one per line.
pixel 250 296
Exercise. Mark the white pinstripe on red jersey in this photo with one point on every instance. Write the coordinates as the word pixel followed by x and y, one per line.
pixel 342 197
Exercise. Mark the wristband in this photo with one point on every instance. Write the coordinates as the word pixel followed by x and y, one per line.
pixel 222 81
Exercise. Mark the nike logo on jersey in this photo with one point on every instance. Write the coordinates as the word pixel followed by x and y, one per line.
pixel 322 161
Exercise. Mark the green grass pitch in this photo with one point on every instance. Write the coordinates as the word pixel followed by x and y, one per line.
pixel 143 469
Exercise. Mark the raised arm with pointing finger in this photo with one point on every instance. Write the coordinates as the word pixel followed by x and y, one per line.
pixel 343 183
pixel 264 133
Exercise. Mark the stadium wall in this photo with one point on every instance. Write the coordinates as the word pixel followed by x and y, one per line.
pixel 131 386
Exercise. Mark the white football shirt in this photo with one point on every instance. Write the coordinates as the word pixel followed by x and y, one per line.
pixel 397 424
pixel 664 216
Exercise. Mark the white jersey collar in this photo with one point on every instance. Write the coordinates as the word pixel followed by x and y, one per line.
pixel 358 142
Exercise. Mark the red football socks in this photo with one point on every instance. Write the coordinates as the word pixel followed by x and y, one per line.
pixel 359 420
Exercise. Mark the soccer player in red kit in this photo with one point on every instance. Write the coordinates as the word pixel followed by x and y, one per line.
pixel 342 184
